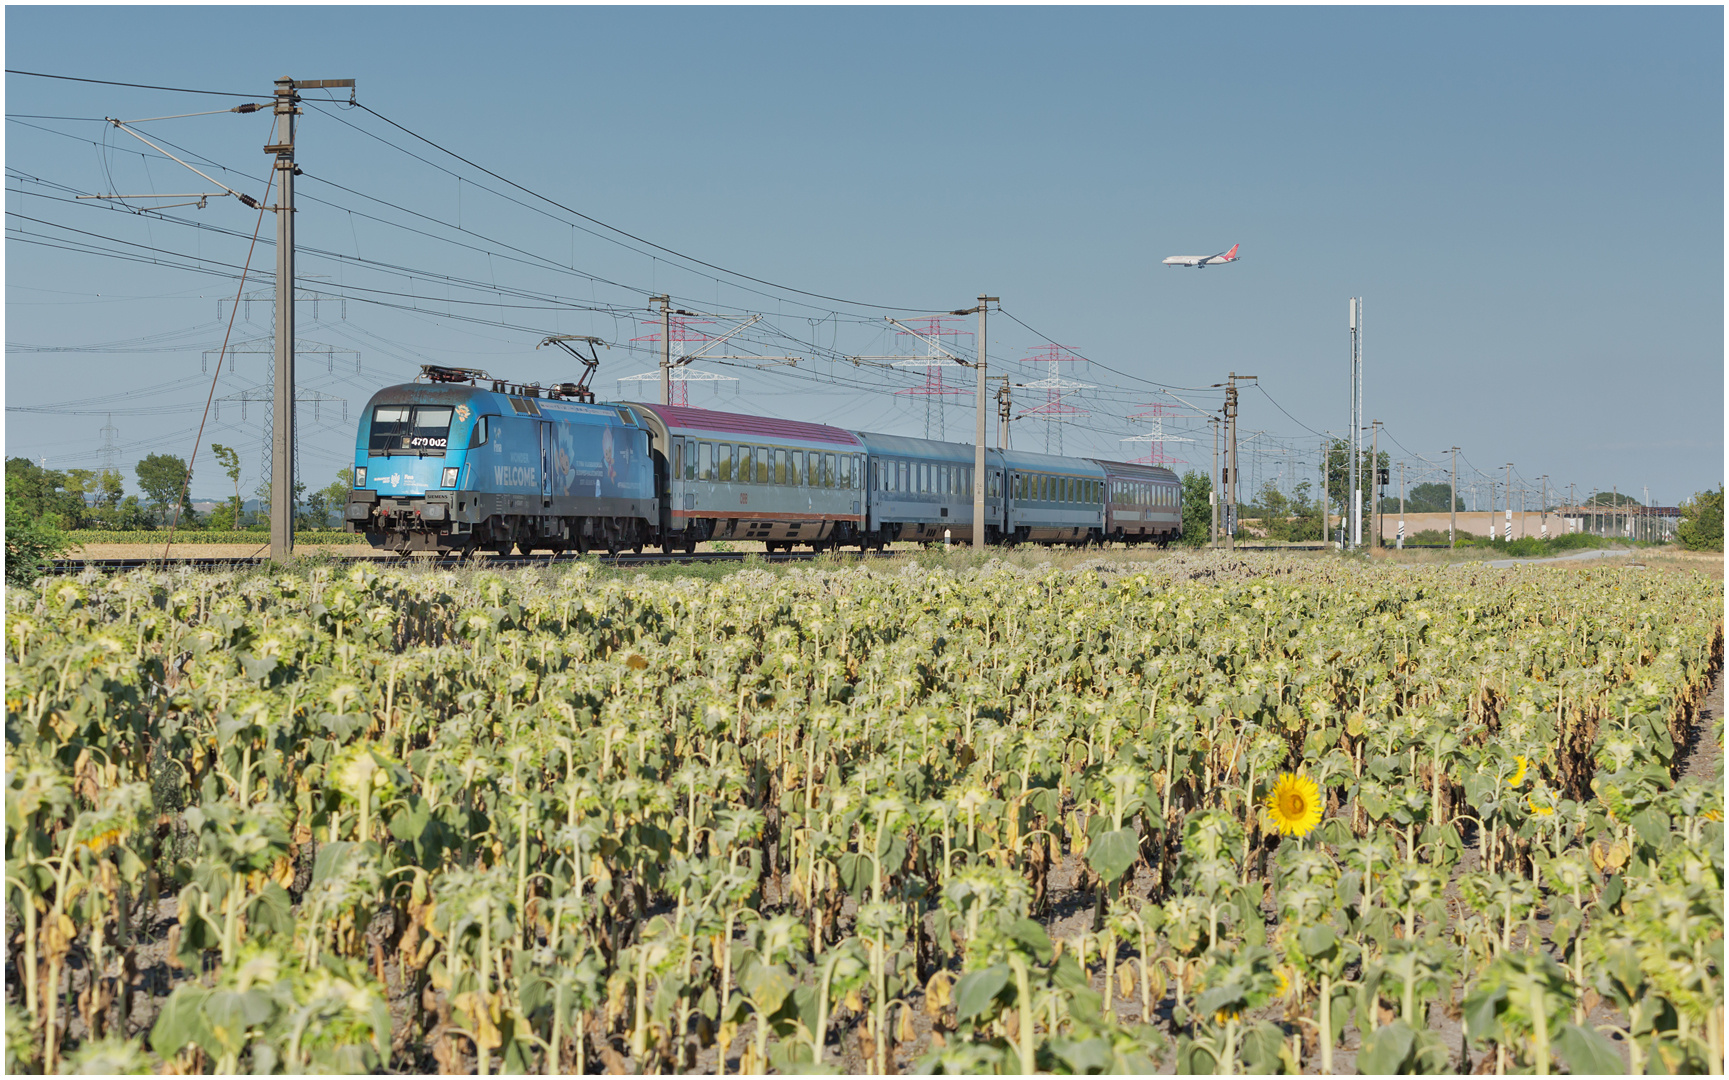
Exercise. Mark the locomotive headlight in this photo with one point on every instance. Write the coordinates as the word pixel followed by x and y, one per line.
pixel 450 474
pixel 360 477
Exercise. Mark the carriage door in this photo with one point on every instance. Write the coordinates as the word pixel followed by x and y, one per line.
pixel 545 463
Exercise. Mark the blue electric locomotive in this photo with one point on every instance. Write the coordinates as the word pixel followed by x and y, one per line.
pixel 451 466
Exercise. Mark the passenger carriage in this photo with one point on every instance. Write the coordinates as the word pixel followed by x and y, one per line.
pixel 1054 500
pixel 1143 503
pixel 922 489
pixel 730 476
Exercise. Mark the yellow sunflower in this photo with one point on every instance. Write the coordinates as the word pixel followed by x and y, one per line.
pixel 1541 809
pixel 1295 804
pixel 1518 775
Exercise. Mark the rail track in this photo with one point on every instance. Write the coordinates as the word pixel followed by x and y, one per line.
pixel 75 566
pixel 141 562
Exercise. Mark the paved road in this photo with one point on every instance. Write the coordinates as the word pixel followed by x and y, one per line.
pixel 1502 564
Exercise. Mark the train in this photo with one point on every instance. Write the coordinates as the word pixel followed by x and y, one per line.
pixel 458 461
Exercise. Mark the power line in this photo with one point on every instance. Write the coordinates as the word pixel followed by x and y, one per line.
pixel 633 236
pixel 1282 409
pixel 135 86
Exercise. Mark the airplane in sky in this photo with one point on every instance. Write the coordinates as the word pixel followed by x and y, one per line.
pixel 1201 262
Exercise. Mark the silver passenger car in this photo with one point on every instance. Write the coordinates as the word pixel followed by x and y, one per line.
pixel 921 489
pixel 730 476
pixel 1056 500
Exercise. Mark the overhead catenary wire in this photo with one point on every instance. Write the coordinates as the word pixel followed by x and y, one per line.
pixel 622 232
pixel 136 86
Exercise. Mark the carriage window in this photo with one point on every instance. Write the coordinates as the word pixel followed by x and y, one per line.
pixel 779 467
pixel 705 461
pixel 477 434
pixel 723 460
pixel 846 470
pixel 828 470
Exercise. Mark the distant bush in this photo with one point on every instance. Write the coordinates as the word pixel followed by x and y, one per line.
pixel 30 547
pixel 1524 547
pixel 1701 527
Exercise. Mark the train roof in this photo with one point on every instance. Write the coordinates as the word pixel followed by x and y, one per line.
pixel 1027 461
pixel 684 420
pixel 482 400
pixel 1128 470
pixel 906 446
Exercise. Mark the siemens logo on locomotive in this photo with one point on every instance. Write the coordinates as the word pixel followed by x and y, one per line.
pixel 513 475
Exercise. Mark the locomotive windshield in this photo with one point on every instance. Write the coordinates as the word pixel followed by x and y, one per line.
pixel 410 429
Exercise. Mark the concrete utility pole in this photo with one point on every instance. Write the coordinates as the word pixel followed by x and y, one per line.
pixel 1508 535
pixel 1005 412
pixel 1375 487
pixel 282 403
pixel 1213 495
pixel 1453 503
pixel 1571 504
pixel 665 303
pixel 1356 511
pixel 1231 458
pixel 979 433
pixel 1326 492
pixel 1401 539
pixel 1545 507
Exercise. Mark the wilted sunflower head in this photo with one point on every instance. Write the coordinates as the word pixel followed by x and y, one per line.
pixel 1294 804
pixel 1520 765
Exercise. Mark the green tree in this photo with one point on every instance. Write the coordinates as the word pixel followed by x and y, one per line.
pixel 330 499
pixel 109 489
pixel 31 541
pixel 1423 499
pixel 1305 511
pixel 1272 509
pixel 1339 480
pixel 230 463
pixel 131 516
pixel 164 479
pixel 1197 508
pixel 1701 527
pixel 1611 498
pixel 41 494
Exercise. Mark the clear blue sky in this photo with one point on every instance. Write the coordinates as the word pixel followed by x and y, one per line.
pixel 1529 200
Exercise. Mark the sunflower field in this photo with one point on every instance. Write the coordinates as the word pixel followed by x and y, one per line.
pixel 1207 814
